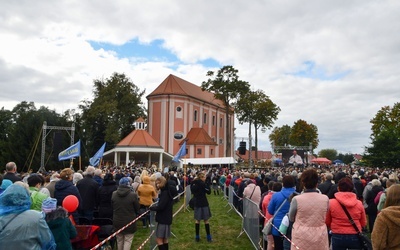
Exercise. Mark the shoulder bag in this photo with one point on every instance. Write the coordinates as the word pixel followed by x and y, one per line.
pixel 364 240
pixel 268 226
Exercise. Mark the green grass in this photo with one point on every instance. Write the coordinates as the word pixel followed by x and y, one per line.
pixel 225 228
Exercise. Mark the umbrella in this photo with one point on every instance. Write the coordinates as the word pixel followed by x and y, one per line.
pixel 337 161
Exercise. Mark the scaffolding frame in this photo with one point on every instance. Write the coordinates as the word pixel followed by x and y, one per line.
pixel 46 131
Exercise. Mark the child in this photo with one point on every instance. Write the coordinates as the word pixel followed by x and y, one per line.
pixel 59 223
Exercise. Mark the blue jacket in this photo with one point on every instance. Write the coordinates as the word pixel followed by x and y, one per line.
pixel 275 203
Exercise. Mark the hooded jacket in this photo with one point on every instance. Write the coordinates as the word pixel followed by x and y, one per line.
pixel 63 188
pixel 125 208
pixel 337 219
pixel 61 227
pixel 386 229
pixel 277 199
pixel 146 192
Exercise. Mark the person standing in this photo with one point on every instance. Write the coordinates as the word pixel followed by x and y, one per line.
pixel 64 187
pixel 35 182
pixel 277 200
pixel 104 196
pixel 22 228
pixel 59 224
pixel 343 233
pixel 125 206
pixel 11 175
pixel 202 210
pixel 164 211
pixel 88 189
pixel 308 212
pixel 146 193
pixel 385 234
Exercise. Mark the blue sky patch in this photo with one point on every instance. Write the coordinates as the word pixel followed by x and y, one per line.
pixel 153 51
pixel 313 71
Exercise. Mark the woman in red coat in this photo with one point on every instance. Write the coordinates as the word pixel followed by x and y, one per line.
pixel 343 233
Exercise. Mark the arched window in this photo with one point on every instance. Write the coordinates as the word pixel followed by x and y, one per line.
pixel 205 118
pixel 195 116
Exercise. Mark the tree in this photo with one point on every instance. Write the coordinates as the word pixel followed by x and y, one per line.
pixel 385 146
pixel 328 153
pixel 346 158
pixel 302 134
pixel 227 87
pixel 256 108
pixel 22 143
pixel 111 115
pixel 280 136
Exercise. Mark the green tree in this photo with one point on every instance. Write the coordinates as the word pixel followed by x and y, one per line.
pixel 227 87
pixel 257 108
pixel 280 136
pixel 302 134
pixel 24 136
pixel 328 153
pixel 5 130
pixel 346 158
pixel 110 116
pixel 385 146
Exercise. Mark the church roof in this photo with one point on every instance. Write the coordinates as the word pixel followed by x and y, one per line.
pixel 139 138
pixel 198 136
pixel 173 85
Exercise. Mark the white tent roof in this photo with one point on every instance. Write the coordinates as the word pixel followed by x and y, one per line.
pixel 209 161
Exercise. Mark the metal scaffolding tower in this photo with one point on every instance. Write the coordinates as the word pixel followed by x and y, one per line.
pixel 44 135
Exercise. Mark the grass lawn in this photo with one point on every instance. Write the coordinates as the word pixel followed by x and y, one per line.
pixel 225 229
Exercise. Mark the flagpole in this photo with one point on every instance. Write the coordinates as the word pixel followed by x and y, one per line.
pixel 80 166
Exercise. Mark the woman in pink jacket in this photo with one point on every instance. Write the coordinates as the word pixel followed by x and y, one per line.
pixel 343 233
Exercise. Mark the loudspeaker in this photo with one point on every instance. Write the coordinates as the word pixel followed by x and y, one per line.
pixel 242 148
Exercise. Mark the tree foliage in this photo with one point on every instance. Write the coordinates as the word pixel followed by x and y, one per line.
pixel 385 146
pixel 300 134
pixel 256 108
pixel 226 86
pixel 110 116
pixel 20 141
pixel 328 153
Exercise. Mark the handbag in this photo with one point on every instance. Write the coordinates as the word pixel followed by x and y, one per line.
pixel 268 226
pixel 364 240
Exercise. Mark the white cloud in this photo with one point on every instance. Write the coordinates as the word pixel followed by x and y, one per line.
pixel 46 56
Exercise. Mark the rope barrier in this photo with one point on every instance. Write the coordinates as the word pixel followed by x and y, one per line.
pixel 133 221
pixel 272 224
pixel 144 242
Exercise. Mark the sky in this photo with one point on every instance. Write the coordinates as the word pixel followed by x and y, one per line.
pixel 334 64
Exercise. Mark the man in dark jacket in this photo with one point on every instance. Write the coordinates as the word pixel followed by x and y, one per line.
pixel 11 169
pixel 326 185
pixel 88 189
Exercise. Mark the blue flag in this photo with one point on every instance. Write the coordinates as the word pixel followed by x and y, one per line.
pixel 95 160
pixel 71 152
pixel 181 153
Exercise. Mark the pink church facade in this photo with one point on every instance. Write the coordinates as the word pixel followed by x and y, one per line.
pixel 178 109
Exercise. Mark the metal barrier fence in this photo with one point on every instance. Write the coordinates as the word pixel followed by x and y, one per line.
pixel 251 222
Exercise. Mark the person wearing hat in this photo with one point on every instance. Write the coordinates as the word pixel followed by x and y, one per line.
pixel 21 227
pixel 59 224
pixel 125 206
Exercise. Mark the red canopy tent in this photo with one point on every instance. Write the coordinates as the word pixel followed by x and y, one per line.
pixel 321 161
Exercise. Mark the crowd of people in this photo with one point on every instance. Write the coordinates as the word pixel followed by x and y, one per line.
pixel 308 205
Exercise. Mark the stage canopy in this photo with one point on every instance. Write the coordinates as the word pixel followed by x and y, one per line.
pixel 209 161
pixel 321 161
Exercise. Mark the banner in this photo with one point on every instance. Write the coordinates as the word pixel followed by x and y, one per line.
pixel 71 152
pixel 181 153
pixel 95 160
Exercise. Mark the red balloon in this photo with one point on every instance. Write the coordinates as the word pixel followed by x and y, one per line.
pixel 70 203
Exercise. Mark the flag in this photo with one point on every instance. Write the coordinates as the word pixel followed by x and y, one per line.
pixel 95 160
pixel 71 152
pixel 181 153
